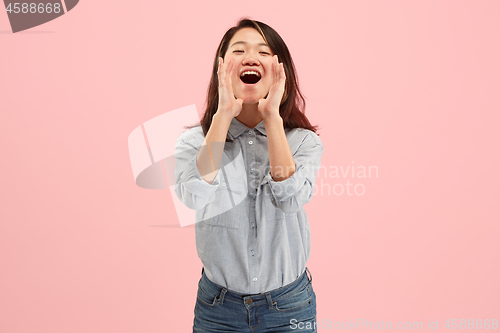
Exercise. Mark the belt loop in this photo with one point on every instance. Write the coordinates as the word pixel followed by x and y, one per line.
pixel 221 295
pixel 269 300
pixel 311 279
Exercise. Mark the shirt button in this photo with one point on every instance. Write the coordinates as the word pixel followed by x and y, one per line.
pixel 223 183
pixel 250 132
pixel 251 170
pixel 250 142
pixel 254 279
pixel 253 225
pixel 252 252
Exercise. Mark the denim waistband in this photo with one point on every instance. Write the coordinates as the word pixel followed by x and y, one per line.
pixel 254 299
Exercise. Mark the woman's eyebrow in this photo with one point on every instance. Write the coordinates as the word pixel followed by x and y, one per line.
pixel 243 42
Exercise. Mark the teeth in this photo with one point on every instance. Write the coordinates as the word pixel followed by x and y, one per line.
pixel 250 72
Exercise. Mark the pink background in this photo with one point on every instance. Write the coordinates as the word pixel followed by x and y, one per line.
pixel 408 86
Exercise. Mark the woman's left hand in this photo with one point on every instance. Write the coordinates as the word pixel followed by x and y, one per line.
pixel 270 106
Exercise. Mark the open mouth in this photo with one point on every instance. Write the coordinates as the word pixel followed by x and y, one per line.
pixel 250 77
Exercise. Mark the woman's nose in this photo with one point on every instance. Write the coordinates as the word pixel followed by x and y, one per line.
pixel 250 59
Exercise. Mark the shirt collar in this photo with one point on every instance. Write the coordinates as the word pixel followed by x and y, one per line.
pixel 236 128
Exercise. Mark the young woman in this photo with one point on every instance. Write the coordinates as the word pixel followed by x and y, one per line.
pixel 248 170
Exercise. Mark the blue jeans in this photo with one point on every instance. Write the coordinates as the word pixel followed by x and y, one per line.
pixel 291 308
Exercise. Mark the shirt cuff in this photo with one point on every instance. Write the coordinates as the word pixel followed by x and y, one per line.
pixel 288 188
pixel 196 184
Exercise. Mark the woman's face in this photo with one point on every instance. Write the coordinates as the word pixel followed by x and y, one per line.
pixel 252 71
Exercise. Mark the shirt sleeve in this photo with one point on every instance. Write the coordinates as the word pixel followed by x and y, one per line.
pixel 292 193
pixel 190 187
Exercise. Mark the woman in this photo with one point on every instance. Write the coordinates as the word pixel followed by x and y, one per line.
pixel 248 170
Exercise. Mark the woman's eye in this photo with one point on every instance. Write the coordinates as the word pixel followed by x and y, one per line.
pixel 237 51
pixel 264 52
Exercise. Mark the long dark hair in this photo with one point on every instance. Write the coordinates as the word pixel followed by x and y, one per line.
pixel 293 104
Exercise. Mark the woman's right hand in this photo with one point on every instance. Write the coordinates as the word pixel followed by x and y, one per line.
pixel 228 105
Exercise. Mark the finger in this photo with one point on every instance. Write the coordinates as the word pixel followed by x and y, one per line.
pixel 276 70
pixel 278 87
pixel 226 68
pixel 230 77
pixel 281 83
pixel 275 74
pixel 229 71
pixel 282 74
pixel 273 78
pixel 219 64
pixel 221 71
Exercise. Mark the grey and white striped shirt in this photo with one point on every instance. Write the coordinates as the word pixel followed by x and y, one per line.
pixel 253 235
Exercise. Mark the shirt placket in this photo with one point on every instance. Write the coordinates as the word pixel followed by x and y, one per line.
pixel 251 145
